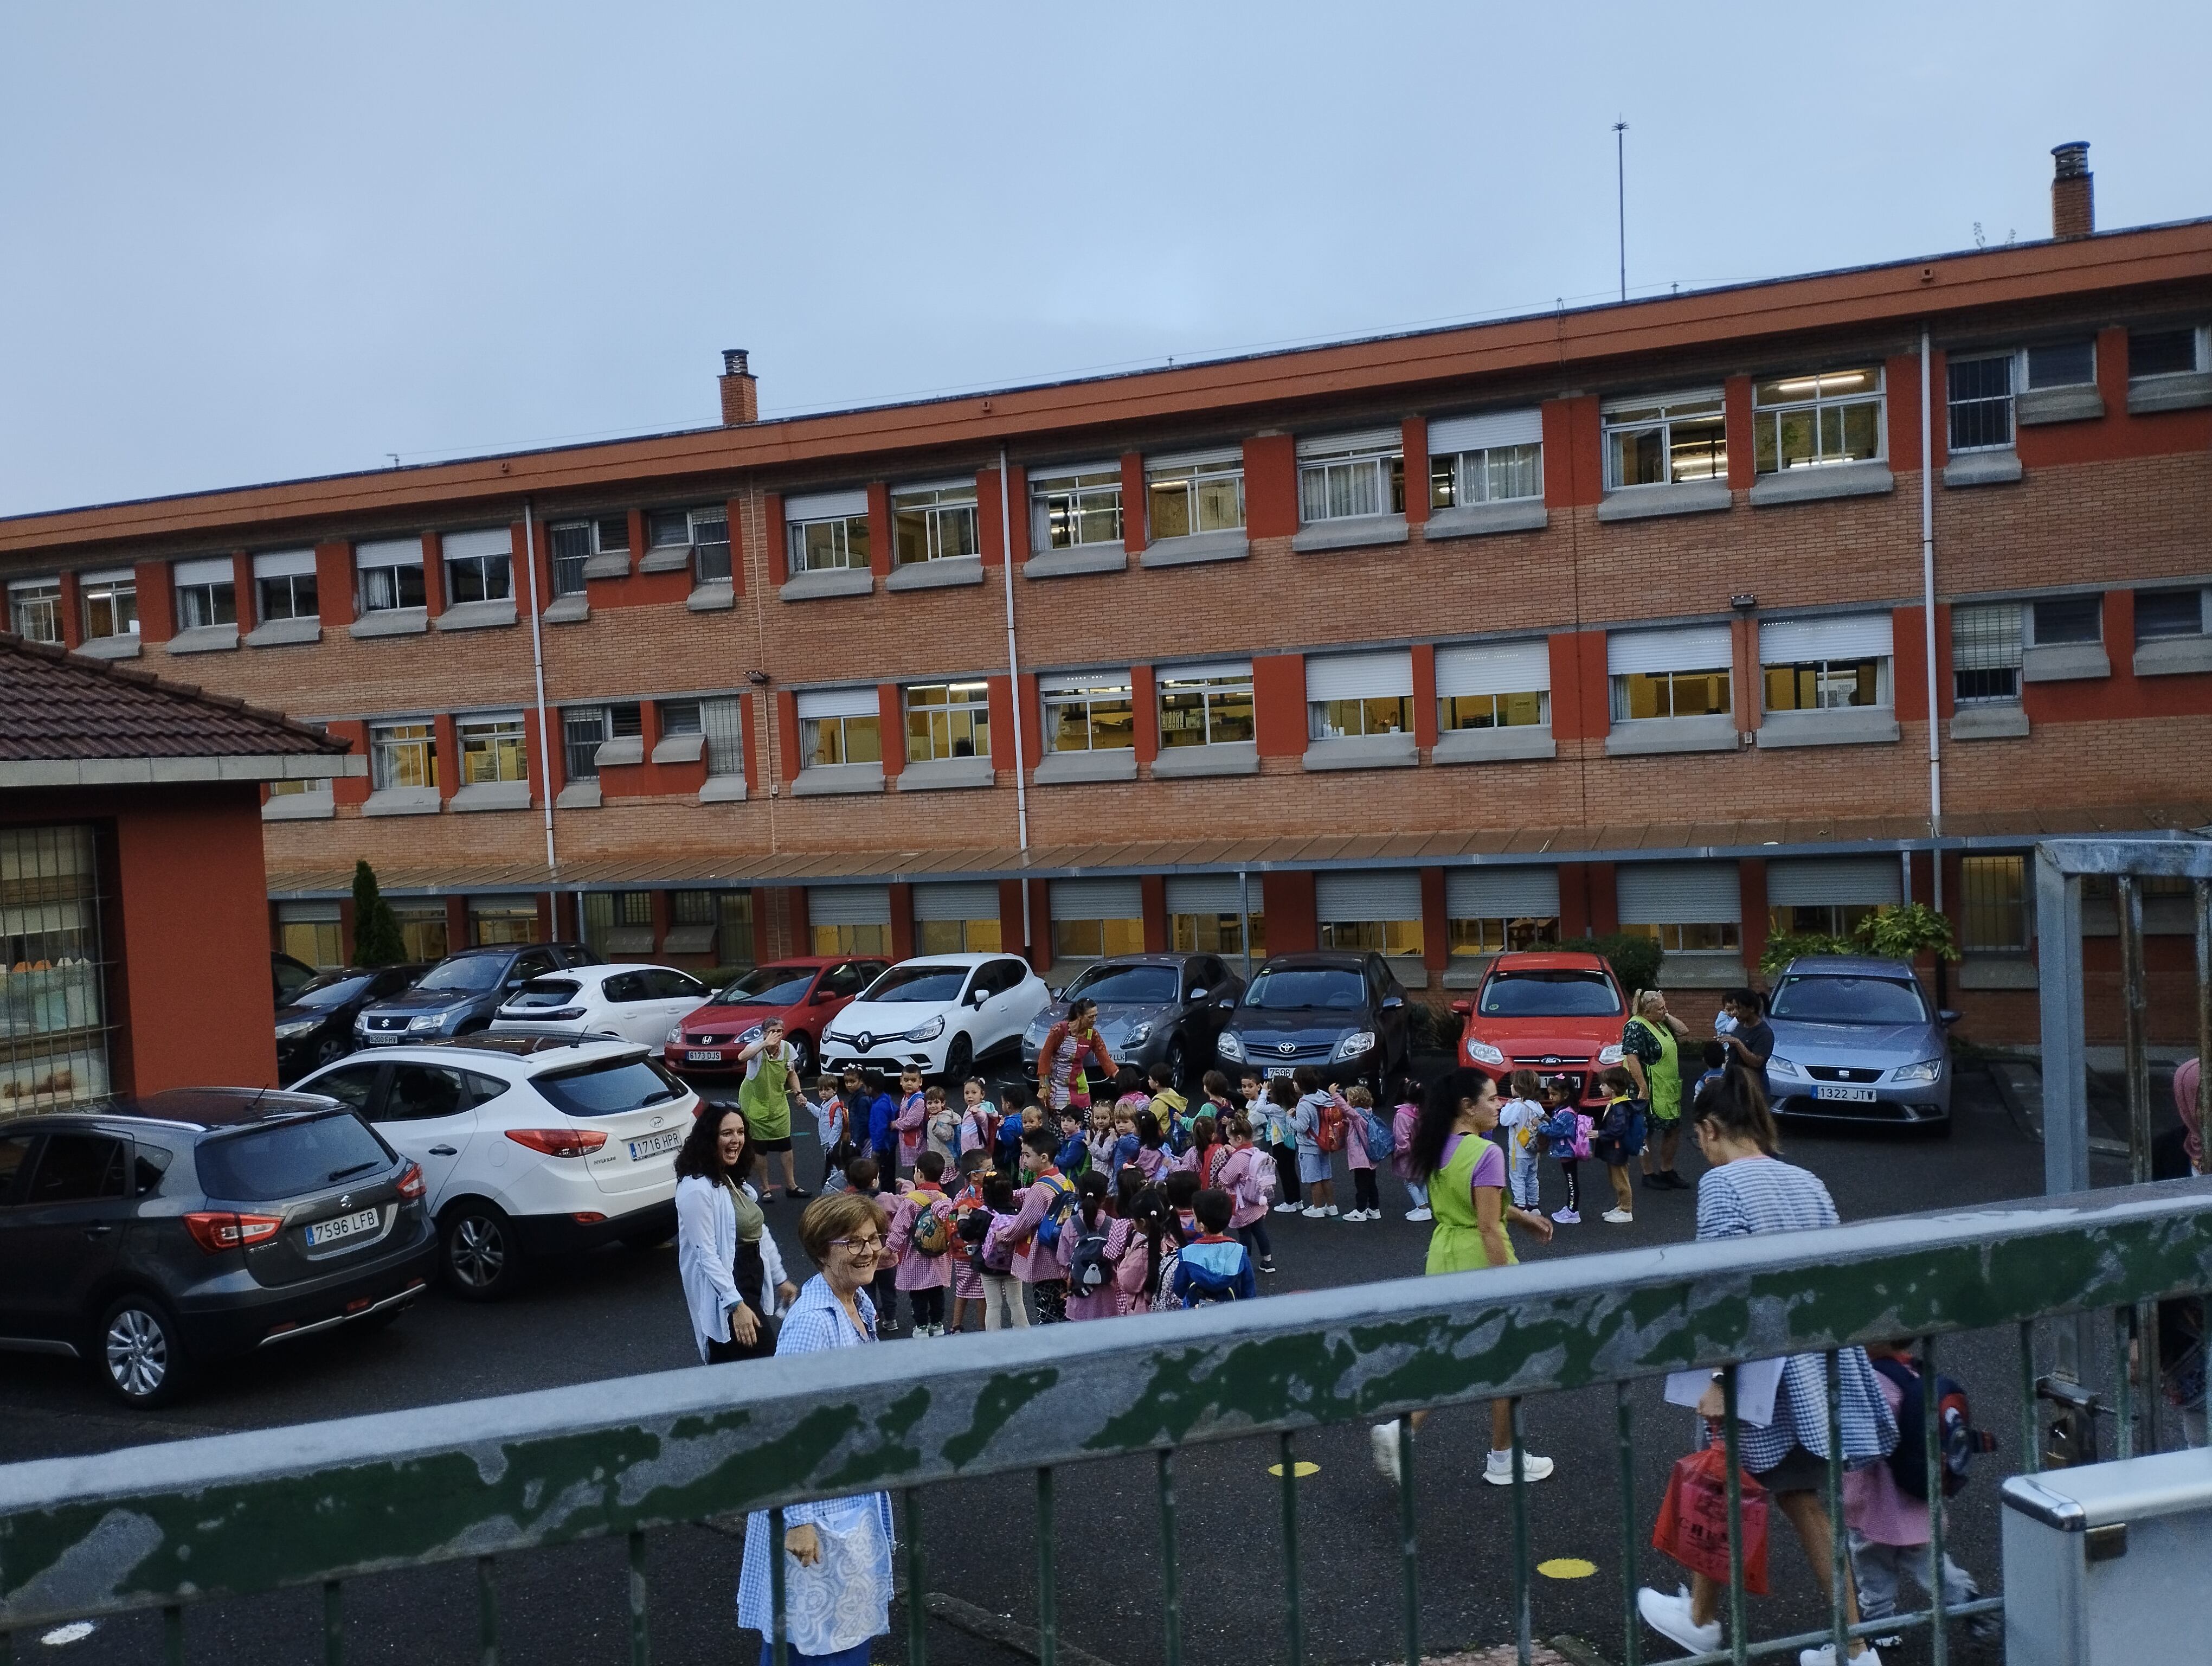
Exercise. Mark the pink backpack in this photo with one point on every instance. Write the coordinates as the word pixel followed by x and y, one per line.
pixel 1583 1126
pixel 1258 1184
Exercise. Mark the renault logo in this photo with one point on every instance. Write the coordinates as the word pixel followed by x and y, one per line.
pixel 867 1041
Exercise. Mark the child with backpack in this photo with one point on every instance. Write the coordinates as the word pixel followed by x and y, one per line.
pixel 1271 1132
pixel 883 1141
pixel 967 1279
pixel 1162 1082
pixel 1314 1106
pixel 1150 1259
pixel 1886 1503
pixel 989 1233
pixel 1213 1266
pixel 1181 1190
pixel 1401 1154
pixel 920 1241
pixel 941 1126
pixel 1247 1174
pixel 1619 1137
pixel 1092 1248
pixel 978 1122
pixel 1566 1134
pixel 1519 1122
pixel 862 1175
pixel 913 1118
pixel 1073 1156
pixel 1207 1151
pixel 1367 1201
pixel 1151 1156
pixel 1048 1199
pixel 1021 1114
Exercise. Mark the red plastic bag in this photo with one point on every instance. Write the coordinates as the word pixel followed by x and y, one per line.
pixel 1693 1525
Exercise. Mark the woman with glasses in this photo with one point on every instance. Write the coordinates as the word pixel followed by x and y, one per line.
pixel 837 1553
pixel 733 1277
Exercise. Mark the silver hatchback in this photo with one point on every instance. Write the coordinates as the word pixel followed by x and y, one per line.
pixel 1857 1039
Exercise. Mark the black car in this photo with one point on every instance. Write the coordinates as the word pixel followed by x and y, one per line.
pixel 459 994
pixel 288 975
pixel 1152 1009
pixel 1340 1011
pixel 155 1235
pixel 315 1026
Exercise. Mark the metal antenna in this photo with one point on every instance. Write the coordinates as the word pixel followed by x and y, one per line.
pixel 1620 198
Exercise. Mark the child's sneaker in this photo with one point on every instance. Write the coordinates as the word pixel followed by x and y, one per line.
pixel 1268 1265
pixel 1313 1212
pixel 1619 1218
pixel 1288 1209
pixel 1566 1218
pixel 1328 1211
pixel 1533 1468
pixel 1420 1214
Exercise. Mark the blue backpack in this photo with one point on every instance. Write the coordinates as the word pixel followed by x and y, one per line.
pixel 1381 1141
pixel 1056 1213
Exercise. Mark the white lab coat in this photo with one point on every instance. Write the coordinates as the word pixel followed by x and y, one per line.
pixel 706 1251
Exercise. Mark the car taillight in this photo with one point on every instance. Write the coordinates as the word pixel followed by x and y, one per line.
pixel 559 1142
pixel 217 1230
pixel 411 1183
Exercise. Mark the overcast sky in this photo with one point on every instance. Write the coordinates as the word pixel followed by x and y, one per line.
pixel 245 243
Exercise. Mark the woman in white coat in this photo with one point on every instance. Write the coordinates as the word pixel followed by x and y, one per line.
pixel 734 1277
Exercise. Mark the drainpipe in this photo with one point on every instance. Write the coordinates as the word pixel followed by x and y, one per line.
pixel 1014 694
pixel 538 671
pixel 1928 615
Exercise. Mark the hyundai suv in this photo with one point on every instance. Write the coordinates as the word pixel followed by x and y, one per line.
pixel 461 994
pixel 1557 1012
pixel 156 1236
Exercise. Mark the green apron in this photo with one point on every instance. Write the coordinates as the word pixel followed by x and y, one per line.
pixel 1665 1077
pixel 1455 1241
pixel 768 1112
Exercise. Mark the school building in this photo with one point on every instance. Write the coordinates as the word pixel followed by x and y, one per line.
pixel 1705 617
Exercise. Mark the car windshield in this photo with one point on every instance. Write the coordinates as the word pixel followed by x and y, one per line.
pixel 1558 992
pixel 468 973
pixel 609 1088
pixel 287 1159
pixel 1127 985
pixel 1828 999
pixel 545 993
pixel 331 989
pixel 929 982
pixel 1289 988
pixel 767 985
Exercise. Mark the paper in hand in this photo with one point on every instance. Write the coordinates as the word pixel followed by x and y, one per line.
pixel 1756 1383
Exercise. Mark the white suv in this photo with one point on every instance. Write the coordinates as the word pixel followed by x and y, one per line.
pixel 634 1003
pixel 529 1145
pixel 939 1014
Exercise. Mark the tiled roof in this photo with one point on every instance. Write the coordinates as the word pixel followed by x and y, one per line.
pixel 56 707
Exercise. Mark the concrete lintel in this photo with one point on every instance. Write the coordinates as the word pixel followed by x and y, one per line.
pixel 826 779
pixel 2006 721
pixel 1363 751
pixel 2185 392
pixel 1836 726
pixel 612 565
pixel 669 558
pixel 403 801
pixel 204 638
pixel 2065 662
pixel 940 774
pixel 492 795
pixel 623 749
pixel 1195 550
pixel 2173 656
pixel 300 807
pixel 391 621
pixel 1684 497
pixel 578 795
pixel 284 632
pixel 1524 741
pixel 2037 405
pixel 123 646
pixel 723 789
pixel 830 582
pixel 679 749
pixel 1227 757
pixel 1982 468
pixel 1651 735
pixel 716 596
pixel 567 610
pixel 476 616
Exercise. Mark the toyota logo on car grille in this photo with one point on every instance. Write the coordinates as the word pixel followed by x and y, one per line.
pixel 1288 1049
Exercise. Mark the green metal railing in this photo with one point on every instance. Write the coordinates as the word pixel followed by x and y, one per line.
pixel 161 1527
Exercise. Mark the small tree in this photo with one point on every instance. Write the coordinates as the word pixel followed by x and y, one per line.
pixel 376 940
pixel 1783 947
pixel 1907 933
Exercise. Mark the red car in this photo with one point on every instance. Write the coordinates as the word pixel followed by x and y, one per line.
pixel 804 990
pixel 1557 1014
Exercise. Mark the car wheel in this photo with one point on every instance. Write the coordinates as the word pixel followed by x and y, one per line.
pixel 140 1355
pixel 959 1058
pixel 331 1050
pixel 1178 1062
pixel 802 1057
pixel 481 1259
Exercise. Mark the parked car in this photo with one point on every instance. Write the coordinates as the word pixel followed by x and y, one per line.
pixel 155 1237
pixel 1341 1011
pixel 941 1014
pixel 315 1025
pixel 1555 1012
pixel 1152 1009
pixel 807 992
pixel 460 993
pixel 635 1003
pixel 530 1145
pixel 1857 1040
pixel 287 975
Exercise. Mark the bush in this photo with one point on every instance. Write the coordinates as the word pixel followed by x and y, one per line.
pixel 1906 933
pixel 1783 947
pixel 1433 1029
pixel 376 939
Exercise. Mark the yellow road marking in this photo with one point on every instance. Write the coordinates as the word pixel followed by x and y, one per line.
pixel 1299 1470
pixel 1566 1567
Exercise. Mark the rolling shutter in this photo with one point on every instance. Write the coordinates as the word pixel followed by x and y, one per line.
pixel 1205 669
pixel 1502 893
pixel 284 564
pixel 113 575
pixel 1523 667
pixel 218 569
pixel 1448 435
pixel 1096 899
pixel 1207 893
pixel 483 541
pixel 1387 675
pixel 1220 457
pixel 1691 647
pixel 1678 893
pixel 857 701
pixel 1851 636
pixel 1813 880
pixel 1341 445
pixel 826 506
pixel 318 913
pixel 389 552
pixel 849 905
pixel 977 900
pixel 1349 899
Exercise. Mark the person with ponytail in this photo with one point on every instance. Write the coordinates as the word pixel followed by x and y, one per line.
pixel 1152 1252
pixel 1094 1223
pixel 1465 1173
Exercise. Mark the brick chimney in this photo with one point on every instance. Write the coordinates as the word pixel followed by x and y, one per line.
pixel 740 389
pixel 2073 201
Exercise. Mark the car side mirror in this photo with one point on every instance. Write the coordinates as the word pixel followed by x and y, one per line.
pixel 821 995
pixel 1227 1003
pixel 1198 994
pixel 1948 1016
pixel 1464 1009
pixel 1392 1003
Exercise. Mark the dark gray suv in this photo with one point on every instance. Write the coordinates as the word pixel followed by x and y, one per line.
pixel 156 1235
pixel 1152 1009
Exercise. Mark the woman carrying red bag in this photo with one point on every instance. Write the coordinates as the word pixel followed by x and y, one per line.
pixel 1750 1191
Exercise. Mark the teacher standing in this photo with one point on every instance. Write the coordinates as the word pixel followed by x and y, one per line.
pixel 733 1274
pixel 766 1097
pixel 1650 1045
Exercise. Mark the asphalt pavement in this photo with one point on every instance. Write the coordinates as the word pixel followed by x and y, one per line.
pixel 620 1312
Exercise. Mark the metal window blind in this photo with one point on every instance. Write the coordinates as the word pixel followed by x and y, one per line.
pixel 858 702
pixel 1096 899
pixel 1343 445
pixel 1078 681
pixel 826 506
pixel 1812 880
pixel 1451 434
pixel 1220 458
pixel 1691 647
pixel 1985 636
pixel 1678 893
pixel 1494 668
pixel 1382 676
pixel 284 564
pixel 307 914
pixel 849 905
pixel 482 541
pixel 1341 899
pixel 389 552
pixel 1502 893
pixel 1852 637
pixel 213 570
pixel 973 901
pixel 1205 669
pixel 119 575
pixel 722 723
pixel 1208 893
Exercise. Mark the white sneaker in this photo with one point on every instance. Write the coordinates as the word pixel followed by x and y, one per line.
pixel 1620 1218
pixel 1313 1212
pixel 1501 1474
pixel 1382 1444
pixel 1669 1617
pixel 1288 1209
pixel 1825 1655
pixel 1420 1214
pixel 1328 1211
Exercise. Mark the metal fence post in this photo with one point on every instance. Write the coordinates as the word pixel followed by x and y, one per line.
pixel 2065 1079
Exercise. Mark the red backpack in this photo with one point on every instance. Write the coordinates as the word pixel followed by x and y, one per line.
pixel 1330 1134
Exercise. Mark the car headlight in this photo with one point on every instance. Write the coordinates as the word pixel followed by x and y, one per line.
pixel 428 1021
pixel 1138 1036
pixel 1778 1066
pixel 1040 1026
pixel 1608 1055
pixel 675 1037
pixel 1231 1046
pixel 923 1032
pixel 1483 1053
pixel 293 1029
pixel 1358 1042
pixel 1925 1070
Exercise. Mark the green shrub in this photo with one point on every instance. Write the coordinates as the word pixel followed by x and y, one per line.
pixel 376 939
pixel 1906 933
pixel 1783 947
pixel 1635 960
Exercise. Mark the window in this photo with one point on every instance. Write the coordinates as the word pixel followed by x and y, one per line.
pixel 1980 394
pixel 1494 685
pixel 1806 421
pixel 720 721
pixel 207 593
pixel 111 603
pixel 1670 673
pixel 284 585
pixel 679 717
pixel 1359 694
pixel 1206 913
pixel 2062 363
pixel 1352 474
pixel 710 545
pixel 575 543
pixel 492 749
pixel 1819 665
pixel 1486 460
pixel 422 929
pixel 934 523
pixel 391 575
pixel 1071 509
pixel 1377 912
pixel 1207 705
pixel 1094 939
pixel 2068 619
pixel 1094 918
pixel 956 919
pixel 733 935
pixel 1192 495
pixel 2165 352
pixel 402 755
pixel 2169 613
pixel 1829 895
pixel 583 730
pixel 1092 712
pixel 1489 910
pixel 1656 442
pixel 1687 907
pixel 947 719
pixel 853 919
pixel 497 922
pixel 309 931
pixel 827 530
pixel 1994 910
pixel 480 566
pixel 34 609
pixel 839 726
pixel 1985 651
pixel 53 1012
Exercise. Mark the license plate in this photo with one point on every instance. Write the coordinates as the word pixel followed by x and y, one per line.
pixel 1275 1070
pixel 330 1232
pixel 382 1038
pixel 708 1055
pixel 653 1144
pixel 1853 1095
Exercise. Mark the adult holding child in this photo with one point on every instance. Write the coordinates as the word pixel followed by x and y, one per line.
pixel 1651 1051
pixel 767 1095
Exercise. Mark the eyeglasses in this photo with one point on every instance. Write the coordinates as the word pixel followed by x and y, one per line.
pixel 867 1246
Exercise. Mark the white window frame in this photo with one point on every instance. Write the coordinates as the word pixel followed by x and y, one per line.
pixel 1211 684
pixel 1064 504
pixel 1659 415
pixel 388 741
pixel 113 589
pixel 1195 478
pixel 199 586
pixel 1621 682
pixel 284 568
pixel 1331 717
pixel 390 563
pixel 34 609
pixel 2031 635
pixel 2203 611
pixel 842 533
pixel 2201 341
pixel 721 719
pixel 1350 476
pixel 835 715
pixel 1774 654
pixel 500 737
pixel 1775 399
pixel 966 704
pixel 944 513
pixel 1458 479
pixel 483 562
pixel 1086 691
